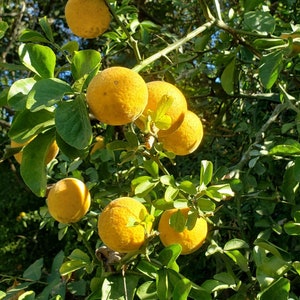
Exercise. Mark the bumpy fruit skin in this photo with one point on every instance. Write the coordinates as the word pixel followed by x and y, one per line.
pixel 117 96
pixel 121 227
pixel 87 18
pixel 190 240
pixel 158 89
pixel 187 138
pixel 68 200
pixel 52 151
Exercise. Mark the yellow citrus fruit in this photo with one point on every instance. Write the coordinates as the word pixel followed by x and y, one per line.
pixel 187 138
pixel 117 96
pixel 87 18
pixel 52 151
pixel 156 91
pixel 123 225
pixel 68 200
pixel 99 144
pixel 190 240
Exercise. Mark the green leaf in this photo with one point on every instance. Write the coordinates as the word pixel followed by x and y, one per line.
pixel 70 47
pixel 259 21
pixel 29 295
pixel 38 58
pixel 147 268
pixel 78 254
pixel 206 205
pixel 73 123
pixel 278 290
pixel 292 228
pixel 206 172
pixel 26 124
pixel 275 250
pixel 169 255
pixel 178 221
pixel 159 117
pixel 71 266
pixel 45 25
pixel 270 67
pixel 238 258
pixel 33 168
pixel 34 271
pixel 17 94
pixel 171 193
pixel 290 148
pixel 28 35
pixel 85 62
pixel 182 289
pixel 113 287
pixel 147 291
pixel 3 98
pixel 188 187
pixel 151 167
pixel 3 28
pixel 268 43
pixel 145 187
pixel 162 285
pixel 47 92
pixel 228 78
pixel 235 243
pixel 132 139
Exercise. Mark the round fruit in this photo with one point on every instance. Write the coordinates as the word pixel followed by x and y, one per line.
pixel 99 144
pixel 68 200
pixel 190 240
pixel 123 225
pixel 52 151
pixel 117 96
pixel 187 138
pixel 87 18
pixel 156 91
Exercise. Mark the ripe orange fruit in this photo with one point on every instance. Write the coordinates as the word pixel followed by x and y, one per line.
pixel 187 138
pixel 52 151
pixel 87 18
pixel 68 200
pixel 123 225
pixel 190 240
pixel 156 91
pixel 117 96
pixel 99 144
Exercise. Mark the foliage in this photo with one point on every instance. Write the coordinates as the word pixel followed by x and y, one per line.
pixel 237 62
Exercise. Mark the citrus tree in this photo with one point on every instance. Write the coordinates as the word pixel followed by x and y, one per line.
pixel 161 141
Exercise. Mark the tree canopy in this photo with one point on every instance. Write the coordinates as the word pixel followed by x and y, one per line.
pixel 238 65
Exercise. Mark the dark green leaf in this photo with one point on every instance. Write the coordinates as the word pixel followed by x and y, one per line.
pixel 84 62
pixel 182 289
pixel 270 67
pixel 33 168
pixel 206 205
pixel 178 221
pixel 151 167
pixel 69 267
pixel 292 228
pixel 73 123
pixel 147 291
pixel 26 124
pixel 162 285
pixel 34 271
pixel 17 94
pixel 147 268
pixel 78 254
pixel 47 92
pixel 45 25
pixel 206 172
pixel 278 290
pixel 168 256
pixel 239 259
pixel 268 43
pixel 39 59
pixel 259 21
pixel 228 78
pixel 133 141
pixel 29 35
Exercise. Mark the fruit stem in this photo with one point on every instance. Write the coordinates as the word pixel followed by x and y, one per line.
pixel 132 42
pixel 85 241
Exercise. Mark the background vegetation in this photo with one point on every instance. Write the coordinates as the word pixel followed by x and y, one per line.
pixel 241 75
